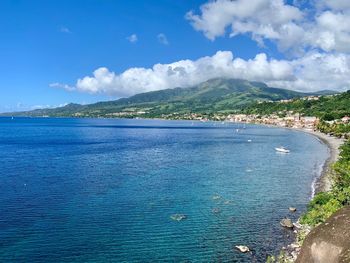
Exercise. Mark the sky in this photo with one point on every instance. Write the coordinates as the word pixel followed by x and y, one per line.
pixel 82 51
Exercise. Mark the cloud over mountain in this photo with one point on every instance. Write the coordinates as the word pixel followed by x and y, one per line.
pixel 314 71
pixel 316 37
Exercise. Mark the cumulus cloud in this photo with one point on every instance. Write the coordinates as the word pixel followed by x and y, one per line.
pixel 262 19
pixel 163 39
pixel 323 26
pixel 315 33
pixel 338 5
pixel 132 38
pixel 318 71
pixel 315 71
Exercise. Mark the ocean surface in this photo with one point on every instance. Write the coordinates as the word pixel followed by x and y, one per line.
pixel 104 190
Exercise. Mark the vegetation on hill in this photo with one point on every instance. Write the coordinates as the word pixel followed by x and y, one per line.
pixel 329 107
pixel 216 95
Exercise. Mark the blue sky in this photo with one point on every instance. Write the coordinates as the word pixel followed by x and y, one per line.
pixel 48 44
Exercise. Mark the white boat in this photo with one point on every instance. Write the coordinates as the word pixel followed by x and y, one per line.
pixel 282 149
pixel 249 140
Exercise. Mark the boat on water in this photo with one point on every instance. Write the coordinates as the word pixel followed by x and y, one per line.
pixel 282 149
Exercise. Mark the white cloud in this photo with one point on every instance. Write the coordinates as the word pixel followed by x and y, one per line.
pixel 64 29
pixel 132 38
pixel 163 39
pixel 262 19
pixel 337 5
pixel 61 86
pixel 318 71
pixel 293 28
pixel 315 32
pixel 331 32
pixel 315 71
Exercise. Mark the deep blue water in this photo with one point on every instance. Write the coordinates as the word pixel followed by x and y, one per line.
pixel 95 190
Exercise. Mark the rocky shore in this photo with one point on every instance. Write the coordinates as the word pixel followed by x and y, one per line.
pixel 323 184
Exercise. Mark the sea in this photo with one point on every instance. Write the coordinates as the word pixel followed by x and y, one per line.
pixel 127 190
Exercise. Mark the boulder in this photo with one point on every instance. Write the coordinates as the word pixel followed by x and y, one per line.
pixel 243 249
pixel 329 242
pixel 292 209
pixel 286 222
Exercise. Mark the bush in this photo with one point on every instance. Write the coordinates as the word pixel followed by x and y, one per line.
pixel 320 208
pixel 324 204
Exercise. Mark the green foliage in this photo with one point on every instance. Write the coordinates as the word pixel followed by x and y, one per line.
pixel 270 259
pixel 330 107
pixel 336 129
pixel 325 204
pixel 320 208
pixel 212 96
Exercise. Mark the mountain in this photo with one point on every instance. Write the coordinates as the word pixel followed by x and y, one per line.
pixel 215 95
pixel 324 92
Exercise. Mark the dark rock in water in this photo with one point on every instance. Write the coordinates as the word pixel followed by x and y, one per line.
pixel 286 222
pixel 243 249
pixel 292 209
pixel 328 242
pixel 178 217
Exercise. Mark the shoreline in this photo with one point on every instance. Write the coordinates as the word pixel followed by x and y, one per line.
pixel 323 182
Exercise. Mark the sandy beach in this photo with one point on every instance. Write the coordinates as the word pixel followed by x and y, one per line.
pixel 324 183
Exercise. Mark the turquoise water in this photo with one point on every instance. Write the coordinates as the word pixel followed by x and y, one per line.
pixel 95 190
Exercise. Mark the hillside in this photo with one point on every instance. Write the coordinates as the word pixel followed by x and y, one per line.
pixel 216 95
pixel 329 107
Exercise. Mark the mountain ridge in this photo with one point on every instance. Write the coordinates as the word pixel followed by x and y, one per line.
pixel 219 94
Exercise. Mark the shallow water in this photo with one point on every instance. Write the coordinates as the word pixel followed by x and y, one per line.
pixel 95 190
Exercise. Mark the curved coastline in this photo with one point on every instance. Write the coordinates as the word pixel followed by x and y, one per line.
pixel 324 182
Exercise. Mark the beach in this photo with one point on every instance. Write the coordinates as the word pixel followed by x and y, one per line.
pixel 324 182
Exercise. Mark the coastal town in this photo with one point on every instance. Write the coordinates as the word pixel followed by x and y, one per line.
pixel 291 120
pixel 287 119
pixel 282 119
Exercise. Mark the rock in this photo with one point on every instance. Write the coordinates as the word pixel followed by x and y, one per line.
pixel 243 249
pixel 286 222
pixel 178 217
pixel 216 197
pixel 297 225
pixel 294 246
pixel 328 242
pixel 216 210
pixel 292 209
